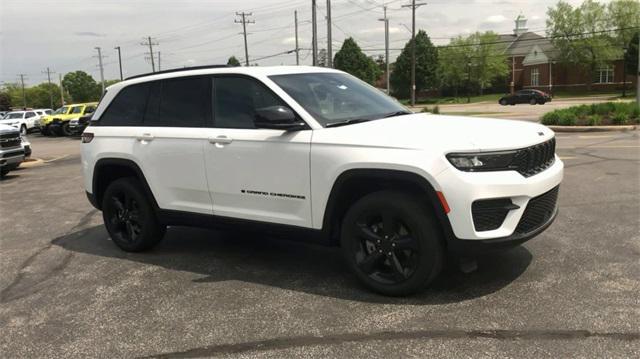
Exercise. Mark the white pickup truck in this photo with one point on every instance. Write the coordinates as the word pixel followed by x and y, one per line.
pixel 12 151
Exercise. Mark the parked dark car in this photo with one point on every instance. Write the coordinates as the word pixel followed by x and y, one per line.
pixel 532 97
pixel 77 126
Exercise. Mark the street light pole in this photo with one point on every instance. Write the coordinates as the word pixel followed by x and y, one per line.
pixel 468 81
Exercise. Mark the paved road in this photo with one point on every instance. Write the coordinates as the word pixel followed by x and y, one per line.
pixel 67 291
pixel 518 112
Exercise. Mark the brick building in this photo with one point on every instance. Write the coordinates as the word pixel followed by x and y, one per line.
pixel 533 65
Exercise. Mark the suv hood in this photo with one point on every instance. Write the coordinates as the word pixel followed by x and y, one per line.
pixel 447 133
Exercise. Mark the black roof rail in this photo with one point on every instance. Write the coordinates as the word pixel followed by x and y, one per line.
pixel 178 70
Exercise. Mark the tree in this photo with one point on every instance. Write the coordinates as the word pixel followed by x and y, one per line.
pixel 452 64
pixel 581 35
pixel 5 101
pixel 81 86
pixel 426 67
pixel 233 61
pixel 631 57
pixel 624 15
pixel 352 60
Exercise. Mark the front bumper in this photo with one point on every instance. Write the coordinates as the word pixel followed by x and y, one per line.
pixel 461 189
pixel 11 157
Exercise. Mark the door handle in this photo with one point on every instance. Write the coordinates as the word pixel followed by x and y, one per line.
pixel 145 137
pixel 222 140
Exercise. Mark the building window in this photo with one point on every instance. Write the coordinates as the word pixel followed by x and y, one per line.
pixel 604 75
pixel 535 77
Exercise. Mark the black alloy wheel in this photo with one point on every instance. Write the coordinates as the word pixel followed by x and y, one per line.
pixel 392 243
pixel 503 102
pixel 65 130
pixel 129 217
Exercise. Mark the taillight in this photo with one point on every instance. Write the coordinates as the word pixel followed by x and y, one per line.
pixel 86 137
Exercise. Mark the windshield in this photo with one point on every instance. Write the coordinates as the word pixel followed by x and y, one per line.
pixel 13 115
pixel 76 109
pixel 62 110
pixel 337 97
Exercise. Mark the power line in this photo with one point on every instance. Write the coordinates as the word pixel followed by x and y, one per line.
pixel 244 23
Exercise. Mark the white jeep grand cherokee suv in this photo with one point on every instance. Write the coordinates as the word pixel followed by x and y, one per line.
pixel 319 153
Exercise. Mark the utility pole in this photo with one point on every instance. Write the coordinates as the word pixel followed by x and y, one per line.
pixel 24 96
pixel 413 7
pixel 244 23
pixel 329 49
pixel 386 45
pixel 624 72
pixel 61 90
pixel 314 34
pixel 150 43
pixel 100 66
pixel 295 17
pixel 119 61
pixel 638 77
pixel 49 72
pixel 159 63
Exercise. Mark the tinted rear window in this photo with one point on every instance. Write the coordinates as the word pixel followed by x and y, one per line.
pixel 127 109
pixel 180 102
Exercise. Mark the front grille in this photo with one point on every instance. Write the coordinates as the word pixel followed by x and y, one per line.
pixel 538 212
pixel 489 214
pixel 535 159
pixel 12 141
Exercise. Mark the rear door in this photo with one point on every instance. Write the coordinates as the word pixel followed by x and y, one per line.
pixel 255 174
pixel 158 125
pixel 169 145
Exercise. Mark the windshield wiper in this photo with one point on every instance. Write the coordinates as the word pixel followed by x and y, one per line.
pixel 397 113
pixel 347 122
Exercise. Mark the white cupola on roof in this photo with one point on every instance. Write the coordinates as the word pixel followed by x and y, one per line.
pixel 521 25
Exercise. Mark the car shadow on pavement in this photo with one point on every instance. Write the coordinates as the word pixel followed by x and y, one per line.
pixel 314 269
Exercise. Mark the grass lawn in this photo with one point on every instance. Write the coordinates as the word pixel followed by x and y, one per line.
pixel 495 97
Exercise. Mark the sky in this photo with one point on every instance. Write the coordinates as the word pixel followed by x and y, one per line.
pixel 62 34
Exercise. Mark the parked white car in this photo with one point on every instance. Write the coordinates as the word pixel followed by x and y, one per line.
pixel 321 154
pixel 22 120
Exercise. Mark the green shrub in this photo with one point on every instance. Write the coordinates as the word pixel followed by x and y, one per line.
pixel 582 111
pixel 425 109
pixel 594 120
pixel 620 118
pixel 566 117
pixel 436 110
pixel 603 109
pixel 550 118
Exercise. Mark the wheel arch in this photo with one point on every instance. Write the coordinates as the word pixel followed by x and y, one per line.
pixel 353 184
pixel 107 170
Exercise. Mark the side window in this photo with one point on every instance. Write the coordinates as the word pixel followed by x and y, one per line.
pixel 89 109
pixel 127 109
pixel 179 102
pixel 30 114
pixel 237 98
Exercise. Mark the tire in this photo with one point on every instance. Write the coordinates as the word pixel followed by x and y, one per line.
pixel 397 261
pixel 129 216
pixel 503 102
pixel 3 171
pixel 23 130
pixel 65 130
pixel 533 101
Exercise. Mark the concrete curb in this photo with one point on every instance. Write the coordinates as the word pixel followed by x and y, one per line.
pixel 592 128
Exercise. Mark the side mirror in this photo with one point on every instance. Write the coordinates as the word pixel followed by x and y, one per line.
pixel 278 118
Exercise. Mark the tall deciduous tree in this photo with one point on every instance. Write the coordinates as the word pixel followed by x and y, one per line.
pixel 5 101
pixel 488 62
pixel 581 34
pixel 81 86
pixel 624 15
pixel 233 61
pixel 426 67
pixel 351 59
pixel 452 64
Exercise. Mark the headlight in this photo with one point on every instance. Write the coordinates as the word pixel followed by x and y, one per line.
pixel 487 161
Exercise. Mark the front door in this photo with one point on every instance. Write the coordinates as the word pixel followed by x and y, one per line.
pixel 255 174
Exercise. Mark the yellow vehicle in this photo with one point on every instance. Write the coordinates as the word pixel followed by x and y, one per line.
pixel 57 124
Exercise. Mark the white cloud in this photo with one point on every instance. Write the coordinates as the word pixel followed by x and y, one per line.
pixel 495 19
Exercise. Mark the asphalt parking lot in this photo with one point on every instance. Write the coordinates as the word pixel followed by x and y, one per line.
pixel 67 291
